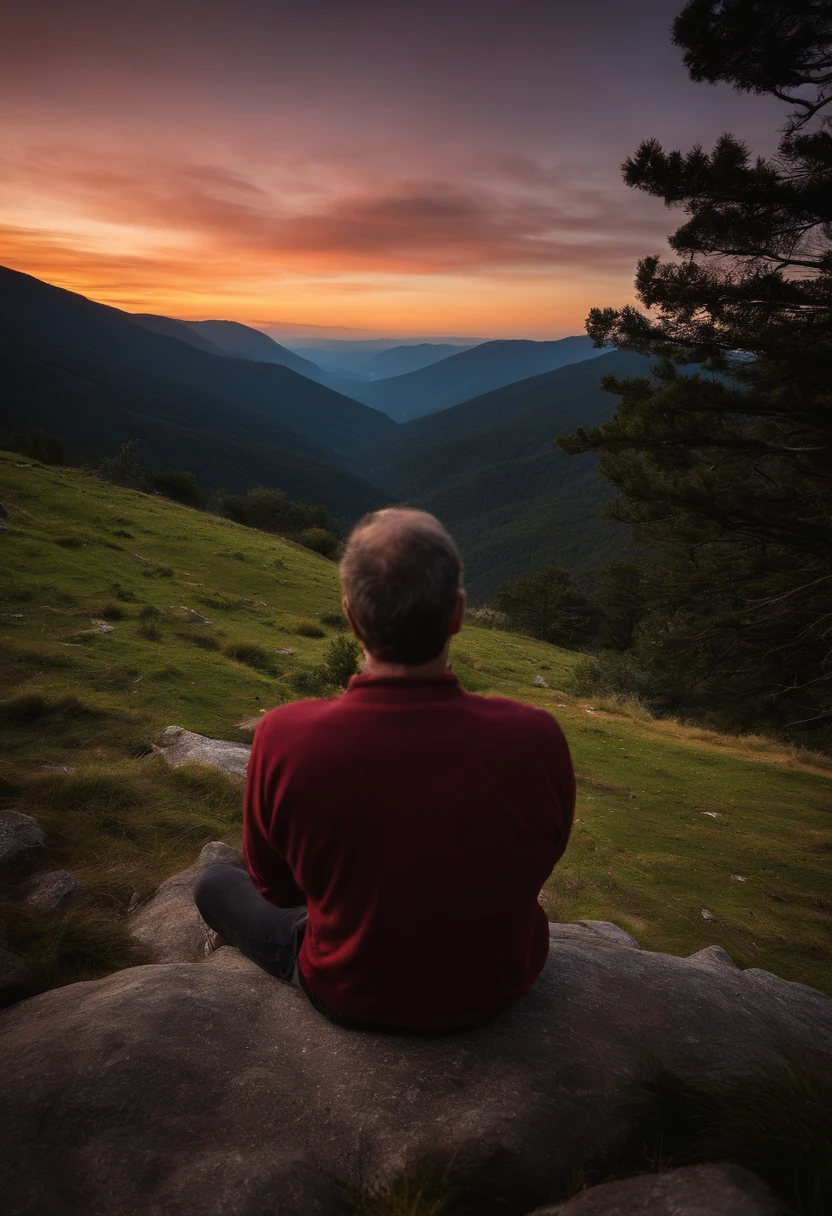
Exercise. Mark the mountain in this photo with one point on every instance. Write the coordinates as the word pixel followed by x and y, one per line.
pixel 399 360
pixel 489 468
pixel 469 374
pixel 91 375
pixel 172 328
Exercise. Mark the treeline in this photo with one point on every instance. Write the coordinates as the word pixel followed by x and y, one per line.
pixel 268 510
pixel 725 475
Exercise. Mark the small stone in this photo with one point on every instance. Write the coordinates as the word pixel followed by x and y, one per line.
pixel 284 650
pixel 692 1190
pixel 539 682
pixel 22 843
pixel 710 814
pixel 56 891
pixel 12 616
pixel 707 914
pixel 738 878
pixel 16 980
pixel 189 614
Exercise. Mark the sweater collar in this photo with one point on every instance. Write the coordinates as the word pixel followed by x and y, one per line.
pixel 404 688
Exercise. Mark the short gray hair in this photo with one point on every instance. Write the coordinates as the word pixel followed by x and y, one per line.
pixel 401 587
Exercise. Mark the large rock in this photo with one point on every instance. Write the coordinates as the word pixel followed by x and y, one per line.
pixel 214 1090
pixel 168 924
pixel 695 1190
pixel 16 979
pixel 22 843
pixel 178 746
pixel 55 891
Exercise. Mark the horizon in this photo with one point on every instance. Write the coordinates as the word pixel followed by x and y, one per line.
pixel 360 174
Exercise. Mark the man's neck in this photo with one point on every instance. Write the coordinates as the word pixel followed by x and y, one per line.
pixel 379 670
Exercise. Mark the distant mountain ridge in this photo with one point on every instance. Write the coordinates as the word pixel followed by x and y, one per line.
pixel 93 376
pixel 399 360
pixel 469 374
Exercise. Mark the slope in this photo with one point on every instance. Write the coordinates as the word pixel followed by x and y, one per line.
pixel 469 374
pixel 666 814
pixel 35 317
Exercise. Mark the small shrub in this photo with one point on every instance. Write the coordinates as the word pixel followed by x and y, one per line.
pixel 180 487
pixel 70 542
pixel 306 628
pixel 123 533
pixel 252 654
pixel 112 612
pixel 341 660
pixel 310 682
pixel 239 557
pixel 37 445
pixel 148 613
pixel 123 593
pixel 150 632
pixel 319 541
pixel 612 673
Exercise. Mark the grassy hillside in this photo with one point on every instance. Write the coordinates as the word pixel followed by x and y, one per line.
pixel 669 818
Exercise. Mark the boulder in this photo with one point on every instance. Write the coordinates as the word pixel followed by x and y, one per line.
pixel 178 746
pixel 214 1089
pixel 693 1190
pixel 56 891
pixel 16 979
pixel 168 924
pixel 596 933
pixel 22 843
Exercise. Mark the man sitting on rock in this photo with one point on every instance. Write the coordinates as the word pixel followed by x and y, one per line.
pixel 397 837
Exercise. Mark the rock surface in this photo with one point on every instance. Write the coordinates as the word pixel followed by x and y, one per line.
pixel 16 980
pixel 55 891
pixel 695 1190
pixel 213 1090
pixel 22 843
pixel 168 924
pixel 178 746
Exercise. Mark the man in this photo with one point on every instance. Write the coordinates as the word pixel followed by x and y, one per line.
pixel 397 837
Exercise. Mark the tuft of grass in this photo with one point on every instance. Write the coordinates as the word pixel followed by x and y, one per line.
pixel 334 620
pixel 778 1124
pixel 306 628
pixel 112 612
pixel 205 641
pixel 83 944
pixel 70 542
pixel 310 682
pixel 150 632
pixel 30 707
pixel 252 654
pixel 214 792
pixel 123 593
pixel 425 1192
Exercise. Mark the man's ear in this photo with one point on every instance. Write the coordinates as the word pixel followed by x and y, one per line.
pixel 345 605
pixel 458 615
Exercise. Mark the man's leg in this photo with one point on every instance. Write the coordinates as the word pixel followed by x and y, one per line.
pixel 230 905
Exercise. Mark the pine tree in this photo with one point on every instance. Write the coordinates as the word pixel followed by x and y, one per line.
pixel 723 457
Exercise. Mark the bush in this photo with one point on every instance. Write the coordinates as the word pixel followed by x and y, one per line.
pixel 612 674
pixel 310 682
pixel 306 628
pixel 487 617
pixel 149 613
pixel 319 540
pixel 343 654
pixel 180 487
pixel 112 612
pixel 125 468
pixel 37 445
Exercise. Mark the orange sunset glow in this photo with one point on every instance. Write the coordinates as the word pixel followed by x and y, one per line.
pixel 397 171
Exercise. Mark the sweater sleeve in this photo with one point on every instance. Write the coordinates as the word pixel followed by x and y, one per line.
pixel 267 867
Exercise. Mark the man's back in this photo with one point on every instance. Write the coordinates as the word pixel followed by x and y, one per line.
pixel 419 823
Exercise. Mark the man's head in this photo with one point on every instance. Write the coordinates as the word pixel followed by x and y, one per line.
pixel 400 577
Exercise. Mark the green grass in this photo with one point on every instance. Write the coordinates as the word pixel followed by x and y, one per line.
pixel 646 851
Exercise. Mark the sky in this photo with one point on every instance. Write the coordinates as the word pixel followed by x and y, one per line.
pixel 346 167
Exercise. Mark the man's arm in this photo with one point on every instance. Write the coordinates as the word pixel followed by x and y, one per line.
pixel 269 870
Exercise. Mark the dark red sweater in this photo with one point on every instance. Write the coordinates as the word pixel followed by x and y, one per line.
pixel 419 823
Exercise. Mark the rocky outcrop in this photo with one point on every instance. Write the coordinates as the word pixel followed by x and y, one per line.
pixel 16 979
pixel 168 924
pixel 22 844
pixel 214 1089
pixel 178 746
pixel 55 891
pixel 695 1190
